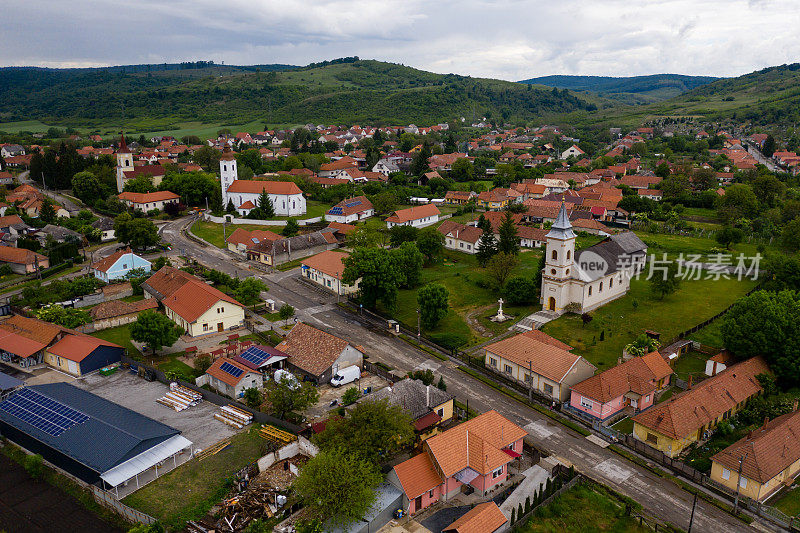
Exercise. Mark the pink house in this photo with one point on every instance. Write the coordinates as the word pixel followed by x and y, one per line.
pixel 632 383
pixel 476 452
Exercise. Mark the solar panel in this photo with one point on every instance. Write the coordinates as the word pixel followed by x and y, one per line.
pixel 232 370
pixel 43 413
pixel 353 204
pixel 255 355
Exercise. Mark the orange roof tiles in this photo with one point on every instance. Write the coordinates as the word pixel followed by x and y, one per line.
pixel 149 197
pixel 217 372
pixel 271 187
pixel 311 349
pixel 545 358
pixel 20 256
pixel 638 375
pixel 483 518
pixel 414 213
pixel 194 298
pixel 77 347
pixel 418 475
pixel 328 262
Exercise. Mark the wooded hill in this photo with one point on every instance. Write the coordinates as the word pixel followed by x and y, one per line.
pixel 347 90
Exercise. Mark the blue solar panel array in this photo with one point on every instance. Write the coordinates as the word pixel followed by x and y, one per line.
pixel 353 203
pixel 336 211
pixel 50 416
pixel 257 356
pixel 232 370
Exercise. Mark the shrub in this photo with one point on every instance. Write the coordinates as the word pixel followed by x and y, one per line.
pixel 351 395
pixel 34 465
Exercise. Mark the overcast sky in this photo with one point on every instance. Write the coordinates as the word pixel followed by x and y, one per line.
pixel 510 40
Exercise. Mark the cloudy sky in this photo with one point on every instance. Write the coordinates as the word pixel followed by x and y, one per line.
pixel 510 40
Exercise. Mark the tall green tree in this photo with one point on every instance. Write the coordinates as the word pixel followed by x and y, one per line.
pixel 408 261
pixel 249 290
pixel 291 228
pixel 433 302
pixel 665 282
pixel 400 234
pixel 287 395
pixel 487 245
pixel 500 267
pixel 419 165
pixel 86 187
pixel 431 243
pixel 379 274
pixel 155 330
pixel 47 213
pixel 509 241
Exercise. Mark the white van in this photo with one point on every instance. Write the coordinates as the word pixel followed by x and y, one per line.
pixel 345 376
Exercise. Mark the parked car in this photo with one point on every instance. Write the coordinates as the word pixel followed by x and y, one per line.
pixel 345 376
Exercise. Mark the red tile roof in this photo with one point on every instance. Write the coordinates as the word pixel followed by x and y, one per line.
pixel 194 298
pixel 414 213
pixel 311 349
pixel 271 187
pixel 638 375
pixel 328 262
pixel 78 347
pixel 418 475
pixel 20 256
pixel 149 197
pixel 483 518
pixel 216 371
pixel 548 359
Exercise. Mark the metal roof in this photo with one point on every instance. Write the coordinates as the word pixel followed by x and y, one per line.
pixel 9 382
pixel 145 460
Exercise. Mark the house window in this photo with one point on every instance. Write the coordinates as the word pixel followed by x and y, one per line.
pixel 743 482
pixel 527 378
pixel 569 254
pixel 555 255
pixel 647 398
pixel 430 494
pixel 498 472
pixel 205 327
pixel 590 290
pixel 493 362
pixel 553 271
pixel 124 265
pixel 548 389
pixel 601 287
pixel 587 404
pixel 440 412
pixel 653 439
pixel 611 283
pixel 507 369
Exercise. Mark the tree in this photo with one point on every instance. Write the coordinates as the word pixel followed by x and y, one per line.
pixel 487 244
pixel 67 317
pixel 662 170
pixel 425 376
pixel 500 267
pixel 642 345
pixel 739 201
pixel 385 202
pixel 285 312
pixel 155 330
pixel 86 186
pixel 790 237
pixel 253 398
pixel 137 232
pixel 768 189
pixel 141 183
pixel 337 485
pixel 249 290
pixel 765 323
pixel 264 209
pixel 667 282
pixel 431 243
pixel 291 228
pixel 351 395
pixel 433 304
pixel 47 213
pixel 208 158
pixel 509 242
pixel 441 385
pixel 728 236
pixel 287 395
pixel 520 291
pixel 374 430
pixel 462 170
pixel 419 165
pixel 400 234
pixel 768 148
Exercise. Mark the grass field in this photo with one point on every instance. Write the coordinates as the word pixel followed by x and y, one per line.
pixel 189 491
pixel 582 509
pixel 625 318
pixel 120 335
pixel 711 335
pixel 314 209
pixel 693 363
pixel 213 233
pixel 624 426
pixel 659 243
pixel 789 501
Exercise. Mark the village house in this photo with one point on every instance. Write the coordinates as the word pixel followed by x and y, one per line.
pixel 768 459
pixel 385 167
pixel 197 307
pixel 475 453
pixel 111 314
pixel 690 416
pixel 459 197
pixel 242 240
pixel 23 261
pixel 231 378
pixel 531 237
pixel 540 362
pixel 633 384
pixel 335 169
pixel 78 354
pixel 418 216
pixel 11 150
pixel 276 252
pixel 572 151
pixel 12 225
pixel 117 265
pixel 106 227
pixel 350 210
pixel 326 269
pixel 496 199
pixel 653 194
pixel 6 178
pixel 429 407
pixel 317 355
pixel 148 201
pixel 460 237
pixel 485 517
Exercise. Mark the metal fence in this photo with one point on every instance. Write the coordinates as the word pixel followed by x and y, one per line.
pixel 381 372
pixel 679 467
pixel 130 514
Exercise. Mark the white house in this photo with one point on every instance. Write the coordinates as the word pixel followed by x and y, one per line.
pixel 590 277
pixel 572 151
pixel 11 150
pixel 385 167
pixel 117 265
pixel 326 269
pixel 318 355
pixel 147 201
pixel 417 216
pixel 232 378
pixel 350 210
pixel 460 237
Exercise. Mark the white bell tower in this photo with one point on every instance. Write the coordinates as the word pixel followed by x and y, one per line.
pixel 124 163
pixel 227 172
pixel 559 261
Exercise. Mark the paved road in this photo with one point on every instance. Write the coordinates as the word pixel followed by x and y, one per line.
pixel 755 152
pixel 68 204
pixel 660 497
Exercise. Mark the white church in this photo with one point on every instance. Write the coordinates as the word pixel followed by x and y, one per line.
pixel 286 197
pixel 591 277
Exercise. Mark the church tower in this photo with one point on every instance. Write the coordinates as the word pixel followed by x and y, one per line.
pixel 559 260
pixel 227 172
pixel 124 163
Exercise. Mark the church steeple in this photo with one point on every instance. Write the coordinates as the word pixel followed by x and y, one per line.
pixel 561 228
pixel 123 146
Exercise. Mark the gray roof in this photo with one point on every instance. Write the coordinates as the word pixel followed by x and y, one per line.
pixel 111 435
pixel 561 228
pixel 9 382
pixel 608 250
pixel 60 233
pixel 413 396
pixel 629 242
pixel 103 223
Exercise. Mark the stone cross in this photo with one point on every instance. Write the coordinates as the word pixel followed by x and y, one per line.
pixel 500 311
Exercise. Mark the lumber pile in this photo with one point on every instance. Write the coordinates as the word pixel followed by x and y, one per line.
pixel 233 416
pixel 180 398
pixel 277 435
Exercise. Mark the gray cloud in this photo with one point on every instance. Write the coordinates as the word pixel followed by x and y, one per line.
pixel 503 39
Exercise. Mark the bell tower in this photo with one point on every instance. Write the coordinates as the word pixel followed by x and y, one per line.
pixel 559 261
pixel 227 172
pixel 124 162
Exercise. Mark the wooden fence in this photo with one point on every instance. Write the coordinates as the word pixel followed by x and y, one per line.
pixel 679 467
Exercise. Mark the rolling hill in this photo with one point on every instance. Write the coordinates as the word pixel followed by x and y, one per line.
pixel 346 90
pixel 632 89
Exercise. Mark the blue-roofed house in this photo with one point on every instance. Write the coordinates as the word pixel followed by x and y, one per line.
pixel 90 437
pixel 117 265
pixel 350 210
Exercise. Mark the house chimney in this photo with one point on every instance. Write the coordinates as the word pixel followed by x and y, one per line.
pixel 689 382
pixel 794 405
pixel 766 420
pixel 427 396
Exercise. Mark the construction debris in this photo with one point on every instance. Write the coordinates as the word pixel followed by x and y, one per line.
pixel 233 416
pixel 180 398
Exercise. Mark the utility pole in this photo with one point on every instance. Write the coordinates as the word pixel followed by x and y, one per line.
pixel 419 330
pixel 530 381
pixel 691 518
pixel 739 484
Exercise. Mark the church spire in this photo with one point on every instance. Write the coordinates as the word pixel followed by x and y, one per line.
pixel 561 228
pixel 123 146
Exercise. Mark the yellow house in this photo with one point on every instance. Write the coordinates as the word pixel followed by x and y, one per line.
pixel 430 407
pixel 770 459
pixel 690 416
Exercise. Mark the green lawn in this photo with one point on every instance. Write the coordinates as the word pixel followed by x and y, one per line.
pixel 582 509
pixel 189 491
pixel 170 363
pixel 692 363
pixel 624 319
pixel 120 335
pixel 659 243
pixel 711 335
pixel 624 426
pixel 212 233
pixel 313 209
pixel 789 501
pixel 666 395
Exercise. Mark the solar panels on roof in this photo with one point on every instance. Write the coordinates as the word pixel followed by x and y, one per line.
pixel 336 211
pixel 232 370
pixel 255 355
pixel 254 239
pixel 353 203
pixel 47 415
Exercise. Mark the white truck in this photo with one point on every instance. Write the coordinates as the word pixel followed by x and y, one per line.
pixel 345 376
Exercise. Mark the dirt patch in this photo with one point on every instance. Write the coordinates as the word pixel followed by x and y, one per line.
pixel 471 318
